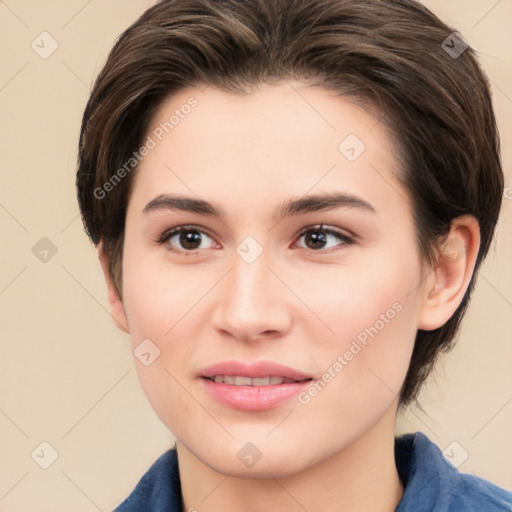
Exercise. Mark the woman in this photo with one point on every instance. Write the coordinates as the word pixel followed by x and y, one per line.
pixel 290 201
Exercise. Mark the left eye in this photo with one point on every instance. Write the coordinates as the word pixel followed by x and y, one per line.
pixel 319 238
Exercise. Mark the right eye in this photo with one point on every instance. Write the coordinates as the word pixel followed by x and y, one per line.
pixel 187 239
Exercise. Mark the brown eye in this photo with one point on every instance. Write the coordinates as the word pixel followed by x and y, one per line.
pixel 185 239
pixel 190 239
pixel 315 239
pixel 318 238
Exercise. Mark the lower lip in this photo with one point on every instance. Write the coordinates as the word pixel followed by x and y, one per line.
pixel 253 398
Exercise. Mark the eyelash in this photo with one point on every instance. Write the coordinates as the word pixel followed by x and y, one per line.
pixel 345 239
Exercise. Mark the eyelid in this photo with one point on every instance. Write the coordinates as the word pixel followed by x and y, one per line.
pixel 182 227
pixel 348 238
pixel 328 229
pixel 169 233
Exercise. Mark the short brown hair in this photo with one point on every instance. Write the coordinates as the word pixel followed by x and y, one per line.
pixel 392 54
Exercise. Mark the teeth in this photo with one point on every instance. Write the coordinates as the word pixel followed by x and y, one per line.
pixel 261 381
pixel 238 380
pixel 243 381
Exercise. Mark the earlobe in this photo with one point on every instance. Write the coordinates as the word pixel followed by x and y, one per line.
pixel 114 300
pixel 446 286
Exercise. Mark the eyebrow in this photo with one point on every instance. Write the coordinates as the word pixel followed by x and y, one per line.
pixel 306 204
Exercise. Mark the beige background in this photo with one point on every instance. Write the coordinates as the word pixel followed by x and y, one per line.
pixel 67 375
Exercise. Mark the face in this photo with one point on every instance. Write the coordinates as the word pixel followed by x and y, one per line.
pixel 305 256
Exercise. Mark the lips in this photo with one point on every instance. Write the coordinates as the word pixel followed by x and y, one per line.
pixel 238 380
pixel 259 369
pixel 257 386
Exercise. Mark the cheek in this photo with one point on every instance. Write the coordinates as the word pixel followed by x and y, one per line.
pixel 361 297
pixel 157 311
pixel 157 296
pixel 161 303
pixel 371 310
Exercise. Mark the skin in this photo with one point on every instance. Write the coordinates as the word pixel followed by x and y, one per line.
pixel 295 304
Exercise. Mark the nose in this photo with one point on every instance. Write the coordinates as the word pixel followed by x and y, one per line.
pixel 252 303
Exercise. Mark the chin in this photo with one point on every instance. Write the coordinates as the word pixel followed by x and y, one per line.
pixel 259 460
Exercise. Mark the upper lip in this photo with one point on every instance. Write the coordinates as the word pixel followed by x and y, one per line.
pixel 253 370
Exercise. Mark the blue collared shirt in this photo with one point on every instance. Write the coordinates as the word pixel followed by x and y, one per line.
pixel 431 484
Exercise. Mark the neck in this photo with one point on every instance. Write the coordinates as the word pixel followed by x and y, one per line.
pixel 362 476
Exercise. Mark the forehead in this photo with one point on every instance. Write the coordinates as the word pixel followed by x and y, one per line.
pixel 286 138
pixel 270 116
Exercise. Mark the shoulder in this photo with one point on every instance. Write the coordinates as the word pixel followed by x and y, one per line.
pixel 432 483
pixel 159 488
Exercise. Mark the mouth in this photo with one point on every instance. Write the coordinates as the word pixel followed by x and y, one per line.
pixel 240 380
pixel 253 387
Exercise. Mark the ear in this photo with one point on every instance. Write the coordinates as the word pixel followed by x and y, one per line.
pixel 444 288
pixel 114 300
